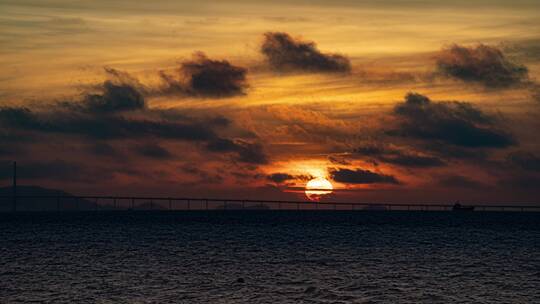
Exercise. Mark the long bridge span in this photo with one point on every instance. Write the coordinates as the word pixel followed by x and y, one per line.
pixel 138 203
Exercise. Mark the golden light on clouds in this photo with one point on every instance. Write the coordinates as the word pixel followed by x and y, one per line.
pixel 285 126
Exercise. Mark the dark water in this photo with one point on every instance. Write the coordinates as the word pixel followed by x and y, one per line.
pixel 270 257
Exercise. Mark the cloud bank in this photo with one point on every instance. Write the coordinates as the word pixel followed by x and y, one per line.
pixel 361 176
pixel 450 122
pixel 118 111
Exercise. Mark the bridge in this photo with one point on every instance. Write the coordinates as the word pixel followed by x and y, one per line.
pixel 23 203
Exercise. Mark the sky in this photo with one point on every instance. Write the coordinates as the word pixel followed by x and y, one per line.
pixel 390 101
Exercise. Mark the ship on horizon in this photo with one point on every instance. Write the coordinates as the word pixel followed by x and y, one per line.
pixel 459 207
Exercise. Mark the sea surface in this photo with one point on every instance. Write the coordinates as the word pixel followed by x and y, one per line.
pixel 270 257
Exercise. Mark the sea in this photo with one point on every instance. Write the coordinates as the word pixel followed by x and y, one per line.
pixel 270 257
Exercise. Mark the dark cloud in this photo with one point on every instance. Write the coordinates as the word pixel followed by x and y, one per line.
pixel 121 92
pixel 106 127
pixel 457 152
pixel 418 161
pixel 205 77
pixel 483 64
pixel 524 160
pixel 279 177
pixel 283 177
pixel 247 152
pixel 54 170
pixel 398 157
pixel 252 153
pixel 153 150
pixel 114 98
pixel 451 122
pixel 122 77
pixel 458 181
pixel 219 121
pixel 101 126
pixel 360 176
pixel 103 149
pixel 204 177
pixel 372 150
pixel 175 115
pixel 17 116
pixel 286 53
pixel 222 145
pixel 339 160
pixel 100 115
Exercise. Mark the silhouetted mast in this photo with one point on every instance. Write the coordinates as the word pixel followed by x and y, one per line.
pixel 14 186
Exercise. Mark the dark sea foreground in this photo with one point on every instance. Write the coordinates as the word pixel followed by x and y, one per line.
pixel 270 257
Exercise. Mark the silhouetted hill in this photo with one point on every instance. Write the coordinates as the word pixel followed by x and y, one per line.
pixel 50 203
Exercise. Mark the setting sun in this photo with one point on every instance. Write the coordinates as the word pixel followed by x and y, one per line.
pixel 317 188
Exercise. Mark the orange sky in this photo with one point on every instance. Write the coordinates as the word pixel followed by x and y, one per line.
pixel 300 119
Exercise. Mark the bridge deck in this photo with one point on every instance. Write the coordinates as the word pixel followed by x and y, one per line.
pixel 96 203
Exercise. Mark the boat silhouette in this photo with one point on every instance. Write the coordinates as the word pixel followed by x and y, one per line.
pixel 459 207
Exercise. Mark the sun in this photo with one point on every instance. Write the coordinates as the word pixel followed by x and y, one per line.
pixel 317 188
